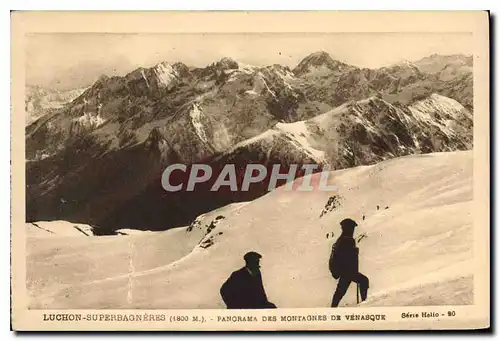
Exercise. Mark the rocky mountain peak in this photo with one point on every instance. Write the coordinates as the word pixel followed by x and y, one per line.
pixel 181 68
pixel 318 57
pixel 102 79
pixel 315 61
pixel 165 74
pixel 226 63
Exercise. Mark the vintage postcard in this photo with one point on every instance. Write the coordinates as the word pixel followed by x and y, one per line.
pixel 250 171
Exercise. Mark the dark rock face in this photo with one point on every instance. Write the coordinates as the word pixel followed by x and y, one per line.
pixel 333 203
pixel 99 158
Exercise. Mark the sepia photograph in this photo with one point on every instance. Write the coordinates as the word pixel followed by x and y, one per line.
pixel 205 171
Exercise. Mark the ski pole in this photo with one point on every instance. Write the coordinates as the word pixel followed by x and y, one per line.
pixel 357 293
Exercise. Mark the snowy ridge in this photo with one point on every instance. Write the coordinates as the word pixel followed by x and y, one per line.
pixel 268 136
pixel 135 232
pixel 165 73
pixel 196 117
pixel 374 119
pixel 320 119
pixel 264 137
pixel 425 122
pixel 439 111
pixel 437 102
pixel 300 135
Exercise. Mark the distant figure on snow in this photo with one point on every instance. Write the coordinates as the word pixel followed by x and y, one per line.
pixel 244 288
pixel 344 263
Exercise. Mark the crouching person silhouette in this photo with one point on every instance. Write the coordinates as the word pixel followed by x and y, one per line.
pixel 344 263
pixel 244 288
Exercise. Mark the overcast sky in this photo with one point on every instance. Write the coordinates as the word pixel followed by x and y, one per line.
pixel 75 60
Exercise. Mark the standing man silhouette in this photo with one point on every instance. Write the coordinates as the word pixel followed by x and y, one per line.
pixel 344 263
pixel 244 288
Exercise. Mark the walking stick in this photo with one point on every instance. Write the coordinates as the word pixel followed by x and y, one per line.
pixel 357 293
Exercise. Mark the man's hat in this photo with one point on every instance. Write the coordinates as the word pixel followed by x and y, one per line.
pixel 251 255
pixel 348 222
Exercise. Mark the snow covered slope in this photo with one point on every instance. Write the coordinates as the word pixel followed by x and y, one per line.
pixel 415 224
pixel 58 228
pixel 298 135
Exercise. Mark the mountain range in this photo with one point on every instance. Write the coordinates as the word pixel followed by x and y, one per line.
pixel 40 101
pixel 98 159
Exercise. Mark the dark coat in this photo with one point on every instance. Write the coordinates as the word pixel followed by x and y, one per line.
pixel 344 261
pixel 244 291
